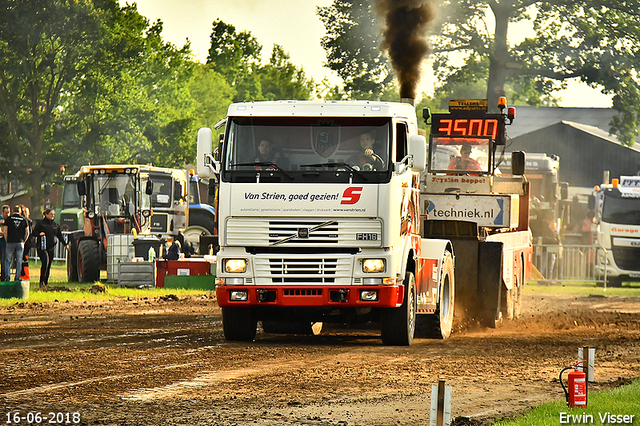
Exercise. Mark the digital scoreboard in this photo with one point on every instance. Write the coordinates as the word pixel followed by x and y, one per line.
pixel 448 125
pixel 469 117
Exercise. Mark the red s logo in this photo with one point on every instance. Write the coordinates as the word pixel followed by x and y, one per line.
pixel 351 195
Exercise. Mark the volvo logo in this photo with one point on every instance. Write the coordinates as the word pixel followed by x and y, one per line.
pixel 303 233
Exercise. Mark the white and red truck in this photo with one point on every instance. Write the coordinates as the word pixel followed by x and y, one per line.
pixel 325 225
pixel 617 212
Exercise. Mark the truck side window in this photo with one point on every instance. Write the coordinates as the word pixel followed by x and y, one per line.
pixel 401 141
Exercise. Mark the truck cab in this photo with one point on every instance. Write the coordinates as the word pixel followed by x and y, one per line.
pixel 617 212
pixel 322 225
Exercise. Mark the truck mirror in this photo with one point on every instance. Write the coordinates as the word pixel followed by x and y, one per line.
pixel 149 188
pixel 82 190
pixel 47 189
pixel 518 163
pixel 426 114
pixel 204 150
pixel 418 150
pixel 564 190
pixel 592 202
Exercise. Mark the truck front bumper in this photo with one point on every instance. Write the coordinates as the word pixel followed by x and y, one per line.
pixel 388 296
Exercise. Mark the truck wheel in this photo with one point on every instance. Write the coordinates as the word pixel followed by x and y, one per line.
pixel 440 324
pixel 614 282
pixel 192 235
pixel 398 325
pixel 239 324
pixel 88 261
pixel 72 262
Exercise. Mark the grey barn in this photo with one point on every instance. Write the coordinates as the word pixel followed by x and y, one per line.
pixel 580 137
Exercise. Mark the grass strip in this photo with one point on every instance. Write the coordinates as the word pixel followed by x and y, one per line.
pixel 604 408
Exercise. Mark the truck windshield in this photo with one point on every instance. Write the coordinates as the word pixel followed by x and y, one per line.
pixel 620 210
pixel 70 196
pixel 114 194
pixel 308 148
pixel 460 154
pixel 161 196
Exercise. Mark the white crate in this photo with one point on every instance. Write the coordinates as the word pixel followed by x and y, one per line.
pixel 119 248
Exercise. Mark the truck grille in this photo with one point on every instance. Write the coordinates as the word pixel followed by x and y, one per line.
pixel 69 221
pixel 159 223
pixel 627 258
pixel 259 232
pixel 295 270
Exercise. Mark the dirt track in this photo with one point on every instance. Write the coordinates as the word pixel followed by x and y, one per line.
pixel 165 362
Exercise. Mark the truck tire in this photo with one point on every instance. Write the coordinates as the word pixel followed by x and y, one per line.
pixel 440 324
pixel 398 325
pixel 88 261
pixel 192 235
pixel 239 324
pixel 614 282
pixel 282 327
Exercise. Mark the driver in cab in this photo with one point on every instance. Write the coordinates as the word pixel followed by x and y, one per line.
pixel 464 162
pixel 367 159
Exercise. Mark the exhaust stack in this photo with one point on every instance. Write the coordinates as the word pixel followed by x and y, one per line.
pixel 405 38
pixel 410 101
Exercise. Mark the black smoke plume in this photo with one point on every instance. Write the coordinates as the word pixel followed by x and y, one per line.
pixel 405 39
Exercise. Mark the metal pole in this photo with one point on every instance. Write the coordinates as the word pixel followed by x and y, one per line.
pixel 440 420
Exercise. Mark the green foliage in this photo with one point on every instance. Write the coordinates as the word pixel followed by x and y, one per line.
pixel 237 57
pixel 90 81
pixel 46 50
pixel 595 42
pixel 212 95
pixel 353 49
pixel 280 79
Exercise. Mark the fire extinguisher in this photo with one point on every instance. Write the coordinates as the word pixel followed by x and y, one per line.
pixel 576 395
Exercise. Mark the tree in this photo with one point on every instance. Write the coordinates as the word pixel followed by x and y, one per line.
pixel 46 49
pixel 352 44
pixel 236 56
pixel 281 79
pixel 90 82
pixel 596 42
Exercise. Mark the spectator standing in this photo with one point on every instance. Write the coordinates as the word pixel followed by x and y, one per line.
pixel 551 240
pixel 6 210
pixel 48 233
pixel 28 244
pixel 16 232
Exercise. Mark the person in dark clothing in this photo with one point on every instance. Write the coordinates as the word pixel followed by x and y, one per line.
pixel 6 211
pixel 27 244
pixel 48 232
pixel 16 232
pixel 367 159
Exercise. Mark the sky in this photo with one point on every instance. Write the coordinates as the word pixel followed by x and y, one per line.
pixel 294 25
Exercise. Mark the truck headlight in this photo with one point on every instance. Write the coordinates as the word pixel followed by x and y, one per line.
pixel 373 265
pixel 235 265
pixel 239 296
